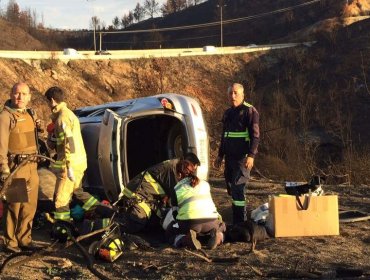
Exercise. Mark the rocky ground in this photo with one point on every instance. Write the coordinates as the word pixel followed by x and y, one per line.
pixel 321 257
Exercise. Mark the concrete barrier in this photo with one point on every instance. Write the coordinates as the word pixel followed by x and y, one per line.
pixel 132 54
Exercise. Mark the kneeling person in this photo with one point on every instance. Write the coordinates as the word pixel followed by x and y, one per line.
pixel 148 193
pixel 196 212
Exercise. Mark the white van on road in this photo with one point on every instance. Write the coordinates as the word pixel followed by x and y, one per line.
pixel 124 138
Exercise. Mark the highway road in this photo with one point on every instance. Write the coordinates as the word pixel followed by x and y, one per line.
pixel 132 54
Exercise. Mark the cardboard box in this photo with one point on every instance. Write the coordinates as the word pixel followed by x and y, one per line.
pixel 319 216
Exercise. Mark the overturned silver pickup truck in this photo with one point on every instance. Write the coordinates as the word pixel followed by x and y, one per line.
pixel 126 137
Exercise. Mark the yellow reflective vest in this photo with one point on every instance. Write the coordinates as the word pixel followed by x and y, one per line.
pixel 194 202
pixel 70 148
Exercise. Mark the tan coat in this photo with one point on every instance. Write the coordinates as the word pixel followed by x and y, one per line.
pixel 17 136
pixel 71 154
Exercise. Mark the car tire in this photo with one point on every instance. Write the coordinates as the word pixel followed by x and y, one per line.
pixel 175 144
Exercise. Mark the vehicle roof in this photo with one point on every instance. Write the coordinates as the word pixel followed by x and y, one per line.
pixel 129 106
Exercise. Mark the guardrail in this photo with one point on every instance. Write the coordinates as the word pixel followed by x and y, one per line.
pixel 132 54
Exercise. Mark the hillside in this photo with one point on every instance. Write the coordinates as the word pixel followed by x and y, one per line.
pixel 315 119
pixel 244 22
pixel 291 88
pixel 15 38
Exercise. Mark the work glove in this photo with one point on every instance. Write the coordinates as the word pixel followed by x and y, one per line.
pixel 4 175
pixel 70 174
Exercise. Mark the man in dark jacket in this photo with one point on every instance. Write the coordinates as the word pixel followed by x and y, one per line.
pixel 239 143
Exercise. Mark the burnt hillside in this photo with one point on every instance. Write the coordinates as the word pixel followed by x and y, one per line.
pixel 259 22
pixel 313 100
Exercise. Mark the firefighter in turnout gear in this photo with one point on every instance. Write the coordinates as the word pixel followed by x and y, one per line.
pixel 71 161
pixel 18 140
pixel 239 144
pixel 149 192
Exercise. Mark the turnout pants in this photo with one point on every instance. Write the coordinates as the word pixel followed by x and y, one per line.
pixel 236 177
pixel 18 217
pixel 64 190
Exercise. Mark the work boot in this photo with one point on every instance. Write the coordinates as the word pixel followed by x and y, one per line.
pixel 215 239
pixel 190 240
pixel 9 249
pixel 30 247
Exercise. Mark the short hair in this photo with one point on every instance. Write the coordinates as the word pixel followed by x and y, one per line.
pixel 237 85
pixel 192 158
pixel 55 93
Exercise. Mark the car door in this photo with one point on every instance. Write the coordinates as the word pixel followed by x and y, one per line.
pixel 109 155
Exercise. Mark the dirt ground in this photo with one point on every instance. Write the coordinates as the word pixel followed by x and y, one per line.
pixel 343 256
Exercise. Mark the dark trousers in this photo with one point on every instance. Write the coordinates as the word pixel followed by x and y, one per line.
pixel 200 226
pixel 236 177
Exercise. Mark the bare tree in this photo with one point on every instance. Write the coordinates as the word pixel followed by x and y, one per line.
pixel 167 8
pixel 139 12
pixel 116 22
pixel 34 18
pixel 95 23
pixel 130 17
pixel 12 11
pixel 173 6
pixel 125 21
pixel 151 7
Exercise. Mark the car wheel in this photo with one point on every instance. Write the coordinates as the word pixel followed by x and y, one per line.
pixel 175 145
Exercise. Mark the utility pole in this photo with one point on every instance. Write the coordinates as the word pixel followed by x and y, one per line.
pixel 221 5
pixel 94 22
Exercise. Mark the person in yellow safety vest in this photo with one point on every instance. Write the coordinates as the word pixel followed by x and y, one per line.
pixel 18 140
pixel 71 161
pixel 196 213
pixel 148 192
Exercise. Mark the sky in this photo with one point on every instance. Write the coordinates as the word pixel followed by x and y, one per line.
pixel 76 14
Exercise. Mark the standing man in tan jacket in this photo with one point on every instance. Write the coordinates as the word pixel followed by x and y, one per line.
pixel 71 161
pixel 18 140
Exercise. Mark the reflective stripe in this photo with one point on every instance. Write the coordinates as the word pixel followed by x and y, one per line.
pixel 233 134
pixel 146 208
pixel 192 199
pixel 156 186
pixel 247 104
pixel 239 203
pixel 105 222
pixel 128 193
pixel 65 216
pixel 90 203
pixel 60 138
pixel 77 161
pixel 59 164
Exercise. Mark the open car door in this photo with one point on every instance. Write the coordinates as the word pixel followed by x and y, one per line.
pixel 109 155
